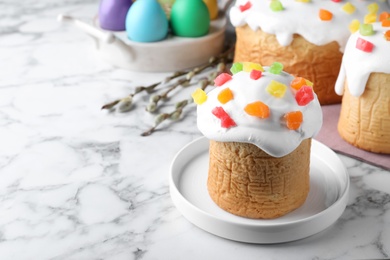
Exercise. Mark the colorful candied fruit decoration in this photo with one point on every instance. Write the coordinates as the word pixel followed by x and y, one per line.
pixel 387 35
pixel 236 67
pixel 276 68
pixel 226 120
pixel 222 79
pixel 245 7
pixel 325 15
pixel 370 18
pixel 276 6
pixel 299 82
pixel 384 16
pixel 225 95
pixel 276 89
pixel 199 96
pixel 249 66
pixel 364 45
pixel 354 25
pixel 303 1
pixel 255 74
pixel 366 29
pixel 373 8
pixel 304 95
pixel 258 109
pixel 293 119
pixel 336 1
pixel 349 8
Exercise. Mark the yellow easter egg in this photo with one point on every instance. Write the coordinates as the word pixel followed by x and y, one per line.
pixel 212 5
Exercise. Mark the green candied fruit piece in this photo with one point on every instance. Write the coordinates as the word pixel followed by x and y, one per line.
pixel 236 67
pixel 366 29
pixel 276 68
pixel 276 6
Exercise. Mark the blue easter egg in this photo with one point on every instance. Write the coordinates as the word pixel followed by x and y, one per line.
pixel 146 21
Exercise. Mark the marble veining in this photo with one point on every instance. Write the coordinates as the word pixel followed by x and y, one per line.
pixel 80 183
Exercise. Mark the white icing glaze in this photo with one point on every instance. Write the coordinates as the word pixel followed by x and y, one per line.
pixel 302 18
pixel 271 134
pixel 357 65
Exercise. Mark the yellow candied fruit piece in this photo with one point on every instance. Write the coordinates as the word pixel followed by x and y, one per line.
pixel 249 66
pixel 309 83
pixel 370 18
pixel 349 8
pixel 303 1
pixel 354 26
pixel 199 96
pixel 225 95
pixel 372 8
pixel 258 109
pixel 276 89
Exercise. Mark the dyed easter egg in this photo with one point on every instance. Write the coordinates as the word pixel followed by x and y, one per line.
pixel 146 21
pixel 112 14
pixel 190 18
pixel 212 5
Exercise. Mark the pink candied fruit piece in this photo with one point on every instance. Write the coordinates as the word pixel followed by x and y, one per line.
pixel 245 7
pixel 226 120
pixel 222 79
pixel 255 74
pixel 304 95
pixel 336 1
pixel 364 45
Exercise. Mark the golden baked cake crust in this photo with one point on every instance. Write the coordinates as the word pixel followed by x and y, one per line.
pixel 320 64
pixel 246 181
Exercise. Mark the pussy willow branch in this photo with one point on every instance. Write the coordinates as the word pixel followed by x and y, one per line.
pixel 148 89
pixel 175 114
pixel 126 101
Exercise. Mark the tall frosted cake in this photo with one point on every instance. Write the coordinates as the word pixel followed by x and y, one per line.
pixel 260 122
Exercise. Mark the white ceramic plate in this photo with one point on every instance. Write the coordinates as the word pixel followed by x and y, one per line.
pixel 327 199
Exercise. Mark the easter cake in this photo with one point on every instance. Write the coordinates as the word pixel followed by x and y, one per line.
pixel 307 36
pixel 260 122
pixel 364 82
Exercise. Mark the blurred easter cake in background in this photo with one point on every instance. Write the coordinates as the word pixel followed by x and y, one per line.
pixel 364 82
pixel 307 36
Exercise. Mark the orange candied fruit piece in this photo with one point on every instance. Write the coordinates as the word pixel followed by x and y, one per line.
pixel 384 16
pixel 298 82
pixel 293 119
pixel 258 109
pixel 325 15
pixel 387 35
pixel 386 23
pixel 225 95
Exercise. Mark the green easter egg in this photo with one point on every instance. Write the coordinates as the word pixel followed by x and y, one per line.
pixel 190 18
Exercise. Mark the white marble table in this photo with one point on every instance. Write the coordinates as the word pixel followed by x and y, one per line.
pixel 80 183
